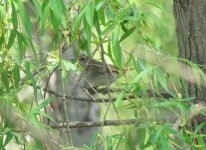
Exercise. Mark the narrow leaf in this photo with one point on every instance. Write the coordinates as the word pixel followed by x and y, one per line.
pixel 106 30
pixel 111 11
pixel 42 105
pixel 2 13
pixel 64 15
pixel 1 41
pixel 38 8
pixel 199 127
pixel 45 13
pixel 9 137
pixel 5 79
pixel 69 66
pixel 88 32
pixel 30 77
pixel 12 38
pixel 16 75
pixel 99 5
pixel 164 142
pixel 21 45
pixel 101 15
pixel 89 13
pixel 14 16
pixel 56 6
pixel 77 22
pixel 116 47
pixel 25 18
pixel 127 34
pixel 119 99
pixel 142 74
pixel 1 141
pixel 55 23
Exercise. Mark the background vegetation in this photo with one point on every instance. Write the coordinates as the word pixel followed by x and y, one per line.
pixel 33 35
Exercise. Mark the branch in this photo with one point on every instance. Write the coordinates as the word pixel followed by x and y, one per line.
pixel 100 100
pixel 96 124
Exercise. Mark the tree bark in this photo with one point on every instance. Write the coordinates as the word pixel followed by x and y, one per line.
pixel 191 33
pixel 190 17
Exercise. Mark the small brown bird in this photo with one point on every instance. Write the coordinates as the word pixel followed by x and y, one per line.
pixel 97 73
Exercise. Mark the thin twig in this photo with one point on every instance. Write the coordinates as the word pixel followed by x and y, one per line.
pixel 66 117
pixel 96 124
pixel 100 100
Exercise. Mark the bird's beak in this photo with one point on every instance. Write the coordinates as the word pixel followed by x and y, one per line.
pixel 73 60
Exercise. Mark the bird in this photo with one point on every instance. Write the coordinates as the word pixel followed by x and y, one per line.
pixel 97 73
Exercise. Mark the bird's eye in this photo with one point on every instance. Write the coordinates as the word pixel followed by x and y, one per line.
pixel 82 58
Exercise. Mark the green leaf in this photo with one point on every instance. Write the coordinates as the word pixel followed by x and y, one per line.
pixel 119 99
pixel 1 41
pixel 5 79
pixel 176 133
pixel 55 55
pixel 127 34
pixel 138 65
pixel 27 41
pixel 42 105
pixel 64 15
pixel 12 38
pixel 56 6
pixel 9 137
pixel 99 5
pixel 101 15
pixel 68 65
pixel 182 106
pixel 46 115
pixel 89 13
pixel 55 23
pixel 16 75
pixel 130 141
pixel 201 143
pixel 111 11
pixel 141 137
pixel 116 47
pixel 188 99
pixel 25 18
pixel 88 31
pixel 106 30
pixel 96 24
pixel 199 127
pixel 161 77
pixel 45 13
pixel 1 141
pixel 77 22
pixel 109 143
pixel 30 77
pixel 162 104
pixel 64 73
pixel 110 52
pixel 21 43
pixel 142 74
pixel 22 38
pixel 37 5
pixel 53 65
pixel 157 134
pixel 164 142
pixel 2 13
pixel 14 17
pixel 123 26
pixel 120 2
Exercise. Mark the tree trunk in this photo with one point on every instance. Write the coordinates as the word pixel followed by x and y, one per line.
pixel 190 16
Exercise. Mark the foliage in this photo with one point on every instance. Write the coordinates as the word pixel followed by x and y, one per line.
pixel 32 35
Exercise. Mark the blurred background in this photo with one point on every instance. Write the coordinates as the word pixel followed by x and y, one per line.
pixel 157 32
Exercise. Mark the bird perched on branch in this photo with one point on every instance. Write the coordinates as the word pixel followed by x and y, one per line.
pixel 97 73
